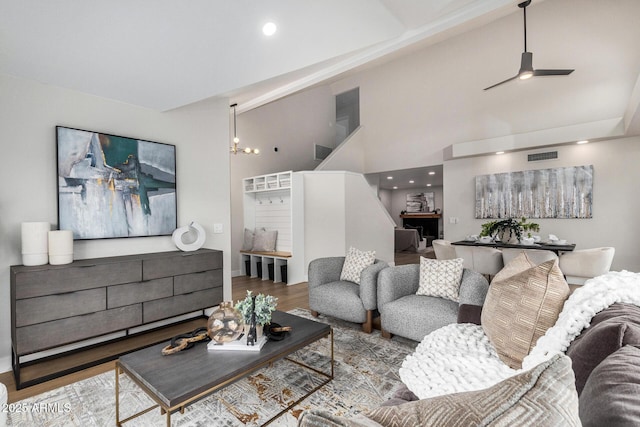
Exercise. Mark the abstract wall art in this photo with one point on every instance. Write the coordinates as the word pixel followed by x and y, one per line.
pixel 420 202
pixel 545 193
pixel 112 186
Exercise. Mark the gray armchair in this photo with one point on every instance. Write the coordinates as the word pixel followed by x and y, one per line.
pixel 412 316
pixel 342 299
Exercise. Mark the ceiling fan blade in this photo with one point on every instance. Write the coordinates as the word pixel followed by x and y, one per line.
pixel 498 84
pixel 552 72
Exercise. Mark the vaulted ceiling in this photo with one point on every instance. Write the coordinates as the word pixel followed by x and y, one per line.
pixel 164 54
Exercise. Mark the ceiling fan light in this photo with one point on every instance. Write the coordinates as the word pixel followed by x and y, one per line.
pixel 256 151
pixel 524 75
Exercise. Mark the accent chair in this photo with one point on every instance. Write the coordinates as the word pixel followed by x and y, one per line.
pixel 343 299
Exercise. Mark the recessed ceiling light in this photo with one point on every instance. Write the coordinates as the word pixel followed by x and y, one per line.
pixel 411 181
pixel 428 185
pixel 499 152
pixel 432 173
pixel 389 177
pixel 269 29
pixel 395 188
pixel 584 141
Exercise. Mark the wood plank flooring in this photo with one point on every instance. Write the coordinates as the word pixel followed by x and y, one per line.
pixel 289 297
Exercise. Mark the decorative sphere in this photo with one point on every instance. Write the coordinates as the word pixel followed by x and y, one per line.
pixel 225 324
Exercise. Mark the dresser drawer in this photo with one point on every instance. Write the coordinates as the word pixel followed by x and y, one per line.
pixel 43 309
pixel 32 282
pixel 65 331
pixel 173 264
pixel 187 283
pixel 180 304
pixel 131 293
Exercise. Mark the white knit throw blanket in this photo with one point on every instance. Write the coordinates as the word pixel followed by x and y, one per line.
pixel 459 357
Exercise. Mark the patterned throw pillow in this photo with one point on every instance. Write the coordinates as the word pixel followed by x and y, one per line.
pixel 524 300
pixel 545 396
pixel 440 278
pixel 355 262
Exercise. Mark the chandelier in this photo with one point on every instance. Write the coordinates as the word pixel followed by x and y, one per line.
pixel 234 148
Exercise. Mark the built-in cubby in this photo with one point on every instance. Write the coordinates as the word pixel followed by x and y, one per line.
pixel 274 202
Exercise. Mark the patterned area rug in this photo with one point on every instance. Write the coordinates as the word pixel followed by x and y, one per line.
pixel 366 374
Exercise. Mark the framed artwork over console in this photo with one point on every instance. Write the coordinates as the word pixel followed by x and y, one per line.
pixel 112 186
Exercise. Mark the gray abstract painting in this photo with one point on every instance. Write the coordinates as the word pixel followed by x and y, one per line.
pixel 111 186
pixel 545 193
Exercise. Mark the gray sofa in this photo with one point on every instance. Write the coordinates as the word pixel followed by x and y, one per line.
pixel 412 316
pixel 342 299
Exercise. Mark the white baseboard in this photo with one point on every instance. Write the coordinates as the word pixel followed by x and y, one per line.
pixel 5 364
pixel 236 273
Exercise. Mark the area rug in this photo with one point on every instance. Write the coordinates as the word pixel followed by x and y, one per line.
pixel 366 374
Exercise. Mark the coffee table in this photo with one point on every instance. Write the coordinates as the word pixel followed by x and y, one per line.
pixel 178 380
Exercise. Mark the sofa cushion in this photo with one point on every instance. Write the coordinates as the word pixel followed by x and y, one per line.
pixel 542 396
pixel 469 313
pixel 356 261
pixel 609 331
pixel 440 278
pixel 406 315
pixel 524 300
pixel 611 396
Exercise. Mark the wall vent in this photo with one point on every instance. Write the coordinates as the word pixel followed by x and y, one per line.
pixel 549 155
pixel 320 152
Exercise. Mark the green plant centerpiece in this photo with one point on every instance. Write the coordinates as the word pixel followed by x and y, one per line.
pixel 509 230
pixel 265 305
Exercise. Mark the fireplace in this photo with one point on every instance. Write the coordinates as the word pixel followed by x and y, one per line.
pixel 428 222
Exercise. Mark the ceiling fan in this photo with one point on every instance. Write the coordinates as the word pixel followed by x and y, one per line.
pixel 526 62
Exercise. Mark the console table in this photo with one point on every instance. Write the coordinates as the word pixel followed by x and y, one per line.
pixel 539 246
pixel 56 305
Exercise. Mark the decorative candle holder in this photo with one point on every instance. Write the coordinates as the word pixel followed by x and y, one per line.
pixel 60 247
pixel 34 243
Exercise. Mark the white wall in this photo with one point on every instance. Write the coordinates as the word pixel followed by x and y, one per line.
pixel 341 210
pixel 292 124
pixel 324 214
pixel 615 196
pixel 30 111
pixel 368 225
pixel 348 156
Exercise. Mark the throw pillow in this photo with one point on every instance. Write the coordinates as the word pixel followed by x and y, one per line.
pixel 523 301
pixel 543 396
pixel 610 330
pixel 611 396
pixel 247 243
pixel 440 278
pixel 356 261
pixel 264 240
pixel 468 313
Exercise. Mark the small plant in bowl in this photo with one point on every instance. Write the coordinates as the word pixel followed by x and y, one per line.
pixel 509 230
pixel 265 305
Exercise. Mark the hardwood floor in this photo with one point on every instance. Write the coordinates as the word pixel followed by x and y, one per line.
pixel 289 297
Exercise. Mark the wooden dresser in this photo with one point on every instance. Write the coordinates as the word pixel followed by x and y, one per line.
pixel 56 305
